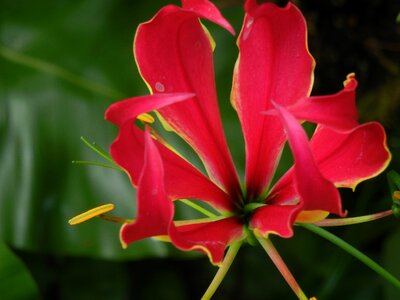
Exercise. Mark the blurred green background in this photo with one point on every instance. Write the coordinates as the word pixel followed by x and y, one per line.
pixel 63 62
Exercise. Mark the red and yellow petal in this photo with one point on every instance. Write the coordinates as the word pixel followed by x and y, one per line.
pixel 155 214
pixel 174 55
pixel 316 192
pixel 336 111
pixel 274 219
pixel 182 180
pixel 273 64
pixel 155 211
pixel 347 158
pixel 211 238
pixel 207 10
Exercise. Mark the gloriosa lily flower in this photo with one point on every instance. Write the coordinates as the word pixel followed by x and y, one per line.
pixel 272 82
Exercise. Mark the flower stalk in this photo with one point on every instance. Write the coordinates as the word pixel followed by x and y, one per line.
pixel 223 269
pixel 283 269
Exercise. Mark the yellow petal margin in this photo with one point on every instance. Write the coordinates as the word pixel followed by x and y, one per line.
pixel 94 212
pixel 311 216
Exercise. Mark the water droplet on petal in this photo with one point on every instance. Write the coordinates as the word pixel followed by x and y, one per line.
pixel 159 87
pixel 249 22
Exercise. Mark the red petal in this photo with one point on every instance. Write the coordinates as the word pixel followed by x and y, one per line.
pixel 284 191
pixel 250 5
pixel 351 157
pixel 274 64
pixel 338 110
pixel 274 219
pixel 211 238
pixel 155 215
pixel 316 192
pixel 174 54
pixel 345 159
pixel 122 111
pixel 205 9
pixel 154 210
pixel 182 180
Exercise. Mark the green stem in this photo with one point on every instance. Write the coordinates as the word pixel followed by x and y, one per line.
pixel 355 220
pixel 353 251
pixel 198 208
pixel 93 163
pixel 223 269
pixel 283 269
pixel 96 148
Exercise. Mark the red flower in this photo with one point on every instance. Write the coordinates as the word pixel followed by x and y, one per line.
pixel 271 93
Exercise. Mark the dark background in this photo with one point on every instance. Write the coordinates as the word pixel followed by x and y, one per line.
pixel 63 62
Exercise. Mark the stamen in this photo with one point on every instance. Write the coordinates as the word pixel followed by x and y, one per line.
pixel 396 195
pixel 146 118
pixel 115 219
pixel 94 212
pixel 198 208
pixel 354 220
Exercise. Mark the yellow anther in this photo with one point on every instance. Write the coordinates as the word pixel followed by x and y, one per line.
pixel 349 77
pixel 146 118
pixel 313 298
pixel 396 195
pixel 94 212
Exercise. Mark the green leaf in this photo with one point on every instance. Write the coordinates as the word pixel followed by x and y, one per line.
pixel 58 75
pixel 15 280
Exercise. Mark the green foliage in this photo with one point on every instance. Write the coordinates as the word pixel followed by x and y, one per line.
pixel 59 71
pixel 15 280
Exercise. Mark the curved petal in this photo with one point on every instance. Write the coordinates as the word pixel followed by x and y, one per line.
pixel 211 238
pixel 273 64
pixel 182 180
pixel 155 211
pixel 174 54
pixel 338 110
pixel 316 192
pixel 347 158
pixel 126 110
pixel 155 214
pixel 209 11
pixel 274 219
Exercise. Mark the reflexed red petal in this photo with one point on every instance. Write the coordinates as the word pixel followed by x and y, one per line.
pixel 211 238
pixel 343 158
pixel 174 55
pixel 338 110
pixel 155 215
pixel 207 10
pixel 274 64
pixel 125 110
pixel 274 219
pixel 349 158
pixel 316 192
pixel 182 180
pixel 154 210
